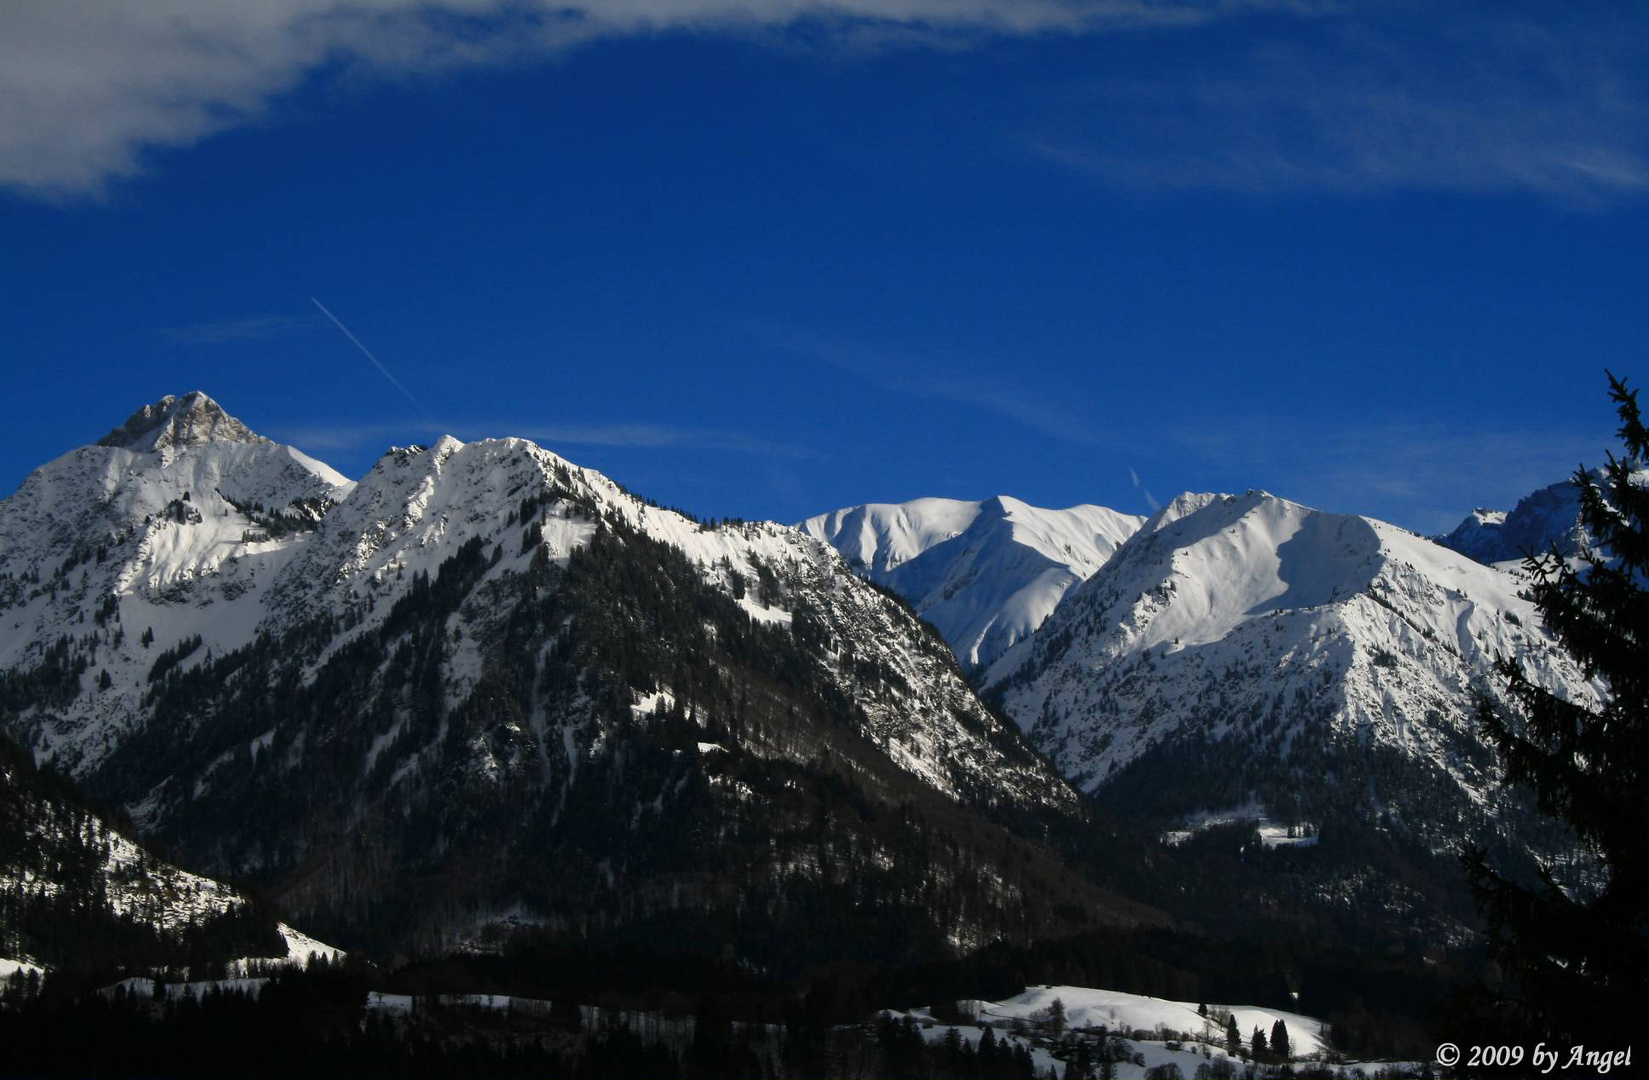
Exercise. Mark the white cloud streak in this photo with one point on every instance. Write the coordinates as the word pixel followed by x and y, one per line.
pixel 1423 475
pixel 1150 499
pixel 230 331
pixel 663 436
pixel 1376 98
pixel 950 379
pixel 1461 99
pixel 631 436
pixel 89 87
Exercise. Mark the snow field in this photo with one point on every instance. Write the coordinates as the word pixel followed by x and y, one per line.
pixel 1175 1026
pixel 986 574
pixel 1120 1012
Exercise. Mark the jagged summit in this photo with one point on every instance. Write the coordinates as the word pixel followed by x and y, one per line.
pixel 173 423
pixel 1542 520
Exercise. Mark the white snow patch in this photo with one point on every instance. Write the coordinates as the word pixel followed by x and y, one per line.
pixel 1272 833
pixel 9 967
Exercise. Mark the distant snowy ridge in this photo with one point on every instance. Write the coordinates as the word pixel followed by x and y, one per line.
pixel 1547 518
pixel 1541 521
pixel 985 574
pixel 1269 632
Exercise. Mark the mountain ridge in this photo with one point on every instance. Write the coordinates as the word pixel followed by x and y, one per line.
pixel 985 573
pixel 489 671
pixel 1250 651
pixel 1546 518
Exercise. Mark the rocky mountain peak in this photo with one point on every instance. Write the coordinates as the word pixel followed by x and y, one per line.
pixel 174 423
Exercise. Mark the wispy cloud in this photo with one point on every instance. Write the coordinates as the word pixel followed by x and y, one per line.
pixel 87 88
pixel 1458 98
pixel 332 438
pixel 951 379
pixel 634 436
pixel 1150 499
pixel 663 437
pixel 1375 98
pixel 229 331
pixel 1422 475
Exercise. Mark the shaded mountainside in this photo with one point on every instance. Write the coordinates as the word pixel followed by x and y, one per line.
pixel 986 574
pixel 1543 520
pixel 489 689
pixel 78 893
pixel 1248 658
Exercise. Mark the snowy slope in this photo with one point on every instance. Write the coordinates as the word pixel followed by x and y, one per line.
pixel 172 525
pixel 1117 1011
pixel 986 574
pixel 418 505
pixel 1271 630
pixel 1145 1033
pixel 148 890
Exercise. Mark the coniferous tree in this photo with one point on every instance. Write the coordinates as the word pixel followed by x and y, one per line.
pixel 1084 1063
pixel 1279 1039
pixel 1233 1037
pixel 1582 968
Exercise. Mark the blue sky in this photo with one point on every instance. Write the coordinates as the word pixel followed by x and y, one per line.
pixel 766 258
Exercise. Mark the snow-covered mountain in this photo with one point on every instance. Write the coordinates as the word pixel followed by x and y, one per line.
pixel 485 685
pixel 985 574
pixel 418 506
pixel 1247 651
pixel 1541 520
pixel 164 532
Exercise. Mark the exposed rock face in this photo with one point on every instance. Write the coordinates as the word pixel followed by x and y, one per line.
pixel 1542 520
pixel 172 424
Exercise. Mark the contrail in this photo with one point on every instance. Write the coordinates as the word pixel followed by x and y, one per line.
pixel 368 354
pixel 1152 499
